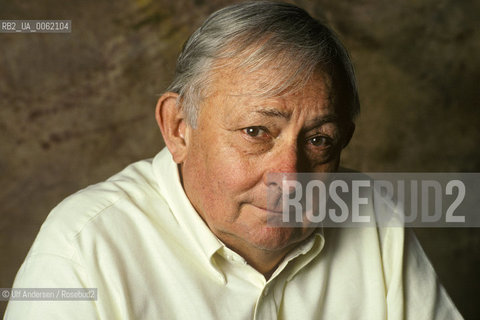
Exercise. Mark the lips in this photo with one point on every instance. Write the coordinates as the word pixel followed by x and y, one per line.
pixel 276 210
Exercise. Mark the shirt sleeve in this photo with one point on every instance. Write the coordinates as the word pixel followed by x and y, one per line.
pixel 424 296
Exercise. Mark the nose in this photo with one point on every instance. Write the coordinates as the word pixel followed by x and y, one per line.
pixel 282 165
pixel 280 175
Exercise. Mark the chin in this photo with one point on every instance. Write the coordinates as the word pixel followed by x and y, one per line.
pixel 274 238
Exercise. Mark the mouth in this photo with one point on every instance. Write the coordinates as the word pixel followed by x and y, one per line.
pixel 269 210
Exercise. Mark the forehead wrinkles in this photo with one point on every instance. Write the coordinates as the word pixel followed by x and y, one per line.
pixel 263 83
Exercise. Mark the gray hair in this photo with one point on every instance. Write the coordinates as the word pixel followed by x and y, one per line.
pixel 258 33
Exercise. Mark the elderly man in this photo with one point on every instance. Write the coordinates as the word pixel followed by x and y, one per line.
pixel 260 88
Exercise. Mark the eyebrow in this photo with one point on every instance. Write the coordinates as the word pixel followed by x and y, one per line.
pixel 316 122
pixel 274 113
pixel 320 121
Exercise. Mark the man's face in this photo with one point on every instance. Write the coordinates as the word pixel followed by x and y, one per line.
pixel 242 137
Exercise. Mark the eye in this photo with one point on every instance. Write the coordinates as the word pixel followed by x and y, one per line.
pixel 320 141
pixel 255 132
pixel 256 139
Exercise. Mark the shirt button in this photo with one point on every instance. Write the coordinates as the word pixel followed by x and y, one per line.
pixel 266 290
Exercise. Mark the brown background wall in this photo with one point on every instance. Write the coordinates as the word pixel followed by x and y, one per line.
pixel 76 108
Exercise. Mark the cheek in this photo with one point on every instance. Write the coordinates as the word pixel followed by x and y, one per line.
pixel 232 174
pixel 331 165
pixel 224 175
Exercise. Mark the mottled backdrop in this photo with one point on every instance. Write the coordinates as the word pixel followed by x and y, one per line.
pixel 76 108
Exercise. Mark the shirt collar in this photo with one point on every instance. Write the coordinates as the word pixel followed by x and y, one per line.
pixel 167 174
pixel 306 252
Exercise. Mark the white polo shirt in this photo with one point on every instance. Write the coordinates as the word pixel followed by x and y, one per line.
pixel 138 240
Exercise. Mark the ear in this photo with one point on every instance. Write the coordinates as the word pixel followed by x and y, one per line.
pixel 349 130
pixel 173 125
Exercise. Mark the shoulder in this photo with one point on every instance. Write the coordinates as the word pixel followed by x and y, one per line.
pixel 129 199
